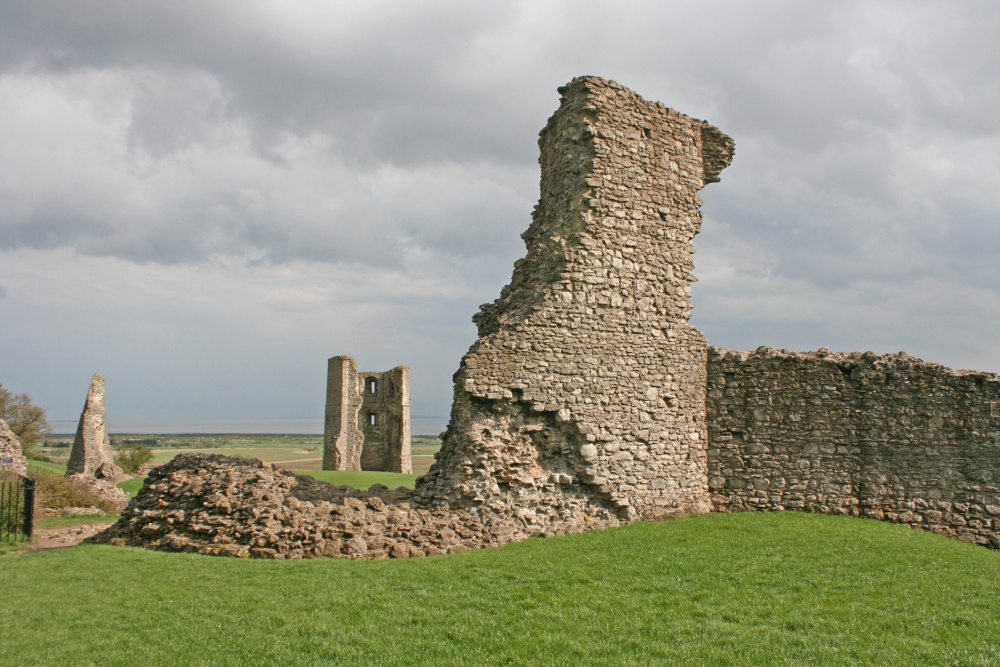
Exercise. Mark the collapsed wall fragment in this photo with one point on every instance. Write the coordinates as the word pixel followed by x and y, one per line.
pixel 92 460
pixel 585 392
pixel 91 455
pixel 225 506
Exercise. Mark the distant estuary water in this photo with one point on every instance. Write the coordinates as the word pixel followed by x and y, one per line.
pixel 418 426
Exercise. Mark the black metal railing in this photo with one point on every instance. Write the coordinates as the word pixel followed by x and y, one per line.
pixel 17 508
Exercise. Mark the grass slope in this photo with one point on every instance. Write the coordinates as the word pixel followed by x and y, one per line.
pixel 46 467
pixel 761 589
pixel 132 486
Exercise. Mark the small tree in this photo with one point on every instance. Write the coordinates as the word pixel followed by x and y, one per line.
pixel 132 455
pixel 26 420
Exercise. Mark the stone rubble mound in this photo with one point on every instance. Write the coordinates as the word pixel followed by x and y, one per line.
pixel 219 505
pixel 107 490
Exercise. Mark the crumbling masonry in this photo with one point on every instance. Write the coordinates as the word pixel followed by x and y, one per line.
pixel 91 455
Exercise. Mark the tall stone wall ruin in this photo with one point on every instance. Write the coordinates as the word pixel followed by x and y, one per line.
pixel 11 455
pixel 92 455
pixel 585 392
pixel 887 437
pixel 367 424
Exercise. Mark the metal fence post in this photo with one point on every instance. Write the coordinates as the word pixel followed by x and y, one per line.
pixel 29 507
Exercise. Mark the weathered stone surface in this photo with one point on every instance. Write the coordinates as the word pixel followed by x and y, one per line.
pixel 586 387
pixel 218 505
pixel 11 455
pixel 116 498
pixel 888 437
pixel 92 455
pixel 367 423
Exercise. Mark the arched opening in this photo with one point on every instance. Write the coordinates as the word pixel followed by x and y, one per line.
pixel 372 386
pixel 372 420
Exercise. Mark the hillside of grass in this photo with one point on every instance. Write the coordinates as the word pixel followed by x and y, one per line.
pixel 46 467
pixel 747 589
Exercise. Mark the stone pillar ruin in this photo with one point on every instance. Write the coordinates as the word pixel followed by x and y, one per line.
pixel 367 424
pixel 91 455
pixel 585 392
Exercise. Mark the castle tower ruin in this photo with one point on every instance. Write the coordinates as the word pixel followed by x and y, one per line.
pixel 367 423
pixel 585 391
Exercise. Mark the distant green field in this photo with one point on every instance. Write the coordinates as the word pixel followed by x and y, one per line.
pixel 741 589
pixel 296 452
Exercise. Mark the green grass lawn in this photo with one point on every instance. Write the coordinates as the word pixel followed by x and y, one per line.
pixel 132 486
pixel 302 453
pixel 747 589
pixel 46 467
pixel 12 546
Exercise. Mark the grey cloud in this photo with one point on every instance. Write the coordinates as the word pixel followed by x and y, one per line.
pixel 378 80
pixel 267 135
pixel 3 292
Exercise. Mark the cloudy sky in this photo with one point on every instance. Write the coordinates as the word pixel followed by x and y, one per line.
pixel 205 200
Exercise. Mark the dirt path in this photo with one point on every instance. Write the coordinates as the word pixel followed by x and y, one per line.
pixel 44 539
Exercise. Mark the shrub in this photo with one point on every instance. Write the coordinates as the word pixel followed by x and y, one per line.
pixel 57 492
pixel 131 455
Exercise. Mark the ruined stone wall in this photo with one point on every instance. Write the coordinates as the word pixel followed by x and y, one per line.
pixel 385 417
pixel 367 424
pixel 342 437
pixel 887 437
pixel 92 455
pixel 585 391
pixel 11 456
